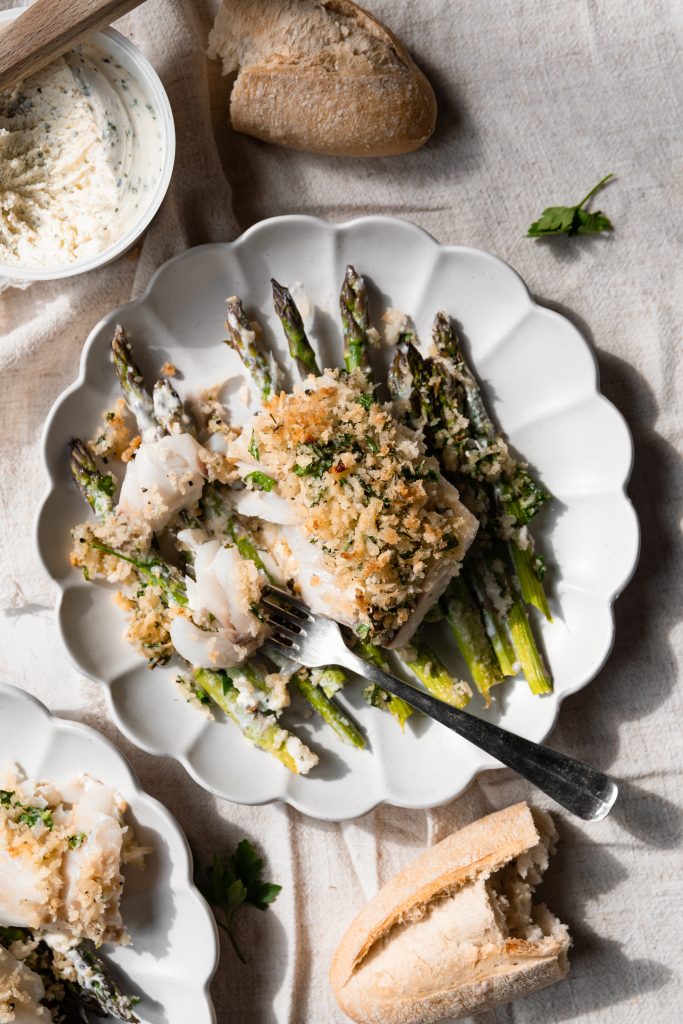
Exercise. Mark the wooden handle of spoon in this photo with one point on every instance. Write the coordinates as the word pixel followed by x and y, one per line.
pixel 48 28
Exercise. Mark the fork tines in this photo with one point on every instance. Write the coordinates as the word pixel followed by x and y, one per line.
pixel 286 616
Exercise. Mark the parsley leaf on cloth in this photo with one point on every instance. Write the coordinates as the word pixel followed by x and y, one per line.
pixel 234 881
pixel 572 220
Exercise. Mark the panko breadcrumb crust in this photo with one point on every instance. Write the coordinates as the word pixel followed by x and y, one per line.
pixel 366 492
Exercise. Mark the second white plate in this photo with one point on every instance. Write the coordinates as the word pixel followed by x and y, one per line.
pixel 541 381
pixel 174 947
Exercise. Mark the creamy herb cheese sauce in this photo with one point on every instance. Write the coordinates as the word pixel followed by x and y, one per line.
pixel 80 152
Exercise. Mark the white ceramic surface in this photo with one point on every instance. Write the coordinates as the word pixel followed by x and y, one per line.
pixel 541 381
pixel 125 53
pixel 174 949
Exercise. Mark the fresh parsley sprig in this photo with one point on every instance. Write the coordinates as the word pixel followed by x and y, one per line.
pixel 234 881
pixel 572 220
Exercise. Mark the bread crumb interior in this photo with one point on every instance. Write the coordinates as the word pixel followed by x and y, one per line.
pixel 466 932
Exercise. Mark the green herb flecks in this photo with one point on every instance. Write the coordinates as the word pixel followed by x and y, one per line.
pixel 32 815
pixel 260 481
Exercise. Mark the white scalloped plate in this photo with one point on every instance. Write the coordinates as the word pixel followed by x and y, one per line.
pixel 174 949
pixel 541 380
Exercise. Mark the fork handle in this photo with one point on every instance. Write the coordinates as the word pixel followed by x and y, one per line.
pixel 577 787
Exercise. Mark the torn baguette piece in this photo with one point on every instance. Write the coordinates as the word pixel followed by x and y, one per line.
pixel 456 932
pixel 323 76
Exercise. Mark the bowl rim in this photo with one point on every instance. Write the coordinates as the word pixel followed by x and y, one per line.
pixel 152 84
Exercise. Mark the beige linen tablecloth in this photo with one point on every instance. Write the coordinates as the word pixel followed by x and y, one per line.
pixel 537 102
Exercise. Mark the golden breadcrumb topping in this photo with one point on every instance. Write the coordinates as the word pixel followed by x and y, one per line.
pixel 364 489
pixel 115 435
pixel 149 620
pixel 117 531
pixel 129 454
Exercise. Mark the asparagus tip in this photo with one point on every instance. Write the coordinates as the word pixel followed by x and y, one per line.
pixel 120 343
pixel 280 295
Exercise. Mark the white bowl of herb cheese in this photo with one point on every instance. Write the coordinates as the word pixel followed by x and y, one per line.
pixel 86 153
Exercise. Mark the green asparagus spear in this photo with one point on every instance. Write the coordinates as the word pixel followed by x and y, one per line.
pixel 138 398
pixel 293 325
pixel 500 588
pixel 494 623
pixel 327 709
pixel 533 666
pixel 470 635
pixel 153 571
pixel 263 730
pixel 433 674
pixel 447 345
pixel 330 678
pixel 169 411
pixel 452 432
pixel 97 488
pixel 422 375
pixel 530 570
pixel 522 497
pixel 244 340
pixel 96 988
pixel 516 493
pixel 373 693
pixel 353 303
pixel 400 382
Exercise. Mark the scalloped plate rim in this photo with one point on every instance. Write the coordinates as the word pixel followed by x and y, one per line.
pixel 484 762
pixel 173 830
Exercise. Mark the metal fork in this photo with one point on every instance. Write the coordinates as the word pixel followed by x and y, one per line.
pixel 315 641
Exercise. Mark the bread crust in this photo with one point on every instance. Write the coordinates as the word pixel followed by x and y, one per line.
pixel 500 971
pixel 521 978
pixel 362 108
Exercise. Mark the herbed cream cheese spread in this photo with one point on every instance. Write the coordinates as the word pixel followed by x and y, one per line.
pixel 80 150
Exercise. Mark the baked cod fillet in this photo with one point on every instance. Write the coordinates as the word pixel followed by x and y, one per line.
pixel 61 852
pixel 356 516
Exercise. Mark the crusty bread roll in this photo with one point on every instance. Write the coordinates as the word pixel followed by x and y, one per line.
pixel 456 932
pixel 321 75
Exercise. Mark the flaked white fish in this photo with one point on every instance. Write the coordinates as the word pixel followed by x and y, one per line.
pixel 20 992
pixel 165 477
pixel 221 599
